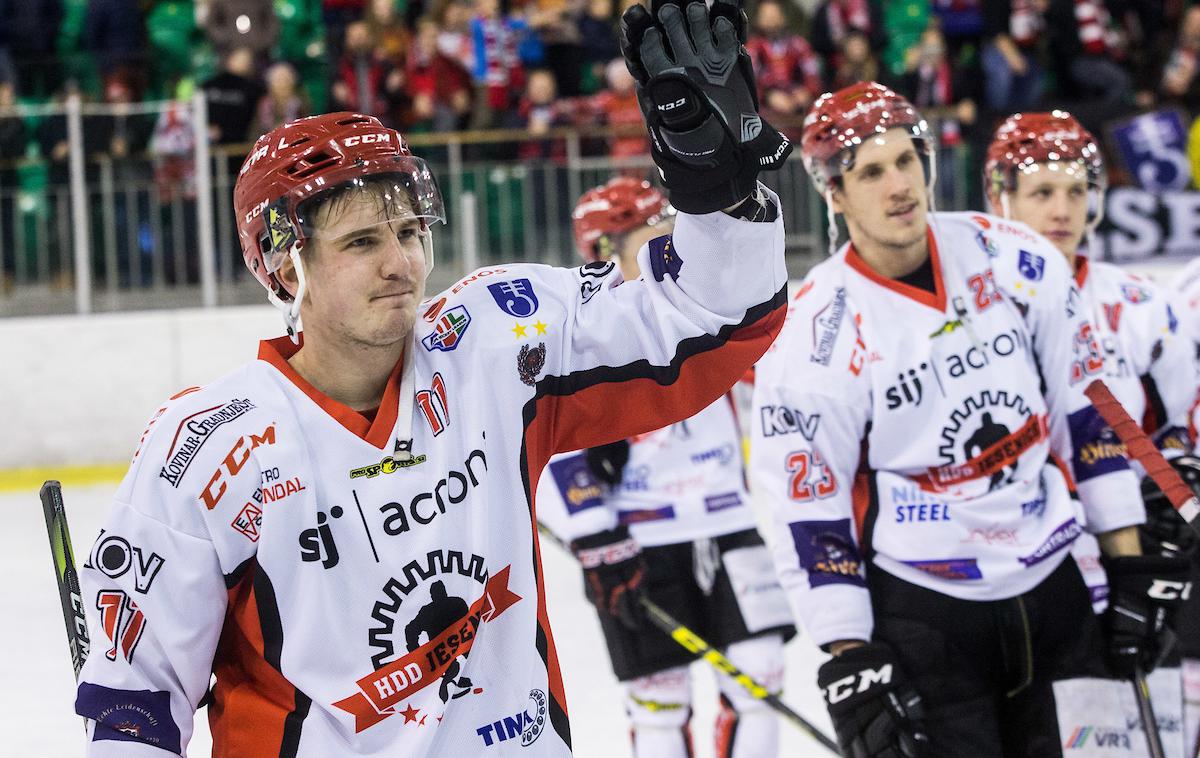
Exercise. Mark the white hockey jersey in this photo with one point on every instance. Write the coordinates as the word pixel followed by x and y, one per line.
pixel 930 433
pixel 1187 285
pixel 354 602
pixel 682 483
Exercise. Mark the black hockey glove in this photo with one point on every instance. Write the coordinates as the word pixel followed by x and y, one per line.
pixel 875 711
pixel 695 85
pixel 613 568
pixel 607 462
pixel 1144 592
pixel 1165 532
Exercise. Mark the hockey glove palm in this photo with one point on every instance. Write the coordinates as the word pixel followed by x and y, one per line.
pixel 613 568
pixel 875 711
pixel 696 89
pixel 1144 593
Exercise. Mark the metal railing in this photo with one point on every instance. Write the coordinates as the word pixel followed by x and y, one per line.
pixel 157 229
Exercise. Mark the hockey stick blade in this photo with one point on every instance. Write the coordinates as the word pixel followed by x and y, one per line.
pixel 702 651
pixel 65 574
pixel 1139 447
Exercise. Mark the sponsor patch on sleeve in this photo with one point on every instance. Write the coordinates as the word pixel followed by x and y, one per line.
pixel 827 552
pixel 129 715
pixel 664 258
pixel 1096 449
pixel 579 489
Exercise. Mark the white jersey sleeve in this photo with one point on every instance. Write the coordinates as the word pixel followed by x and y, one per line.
pixel 1069 358
pixel 811 410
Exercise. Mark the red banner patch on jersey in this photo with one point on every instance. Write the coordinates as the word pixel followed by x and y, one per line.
pixel 996 457
pixel 381 691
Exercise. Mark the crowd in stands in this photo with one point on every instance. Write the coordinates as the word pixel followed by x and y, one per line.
pixel 533 65
pixel 438 65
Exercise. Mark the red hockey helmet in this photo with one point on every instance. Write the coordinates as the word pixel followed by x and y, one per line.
pixel 1027 143
pixel 612 209
pixel 310 157
pixel 839 122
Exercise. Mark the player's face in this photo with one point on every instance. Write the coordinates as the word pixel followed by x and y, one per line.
pixel 633 241
pixel 366 273
pixel 882 196
pixel 1054 203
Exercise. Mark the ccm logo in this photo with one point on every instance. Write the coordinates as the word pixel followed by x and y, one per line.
pixel 672 106
pixel 1163 589
pixel 844 688
pixel 256 211
pixel 366 139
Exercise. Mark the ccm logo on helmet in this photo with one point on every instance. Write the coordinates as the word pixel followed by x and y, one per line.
pixel 367 139
pixel 844 688
pixel 256 211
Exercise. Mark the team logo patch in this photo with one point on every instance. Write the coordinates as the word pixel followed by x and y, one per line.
pixel 986 245
pixel 1031 265
pixel 530 362
pixel 592 276
pixel 664 259
pixel 1135 293
pixel 516 298
pixel 130 715
pixel 449 330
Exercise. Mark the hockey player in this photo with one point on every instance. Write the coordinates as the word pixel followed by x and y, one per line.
pixel 296 525
pixel 1045 170
pixel 673 504
pixel 932 371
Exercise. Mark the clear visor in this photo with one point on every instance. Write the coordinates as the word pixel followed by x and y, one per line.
pixel 391 198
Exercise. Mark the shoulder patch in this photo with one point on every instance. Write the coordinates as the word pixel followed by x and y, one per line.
pixel 193 431
pixel 1135 293
pixel 1031 265
pixel 664 259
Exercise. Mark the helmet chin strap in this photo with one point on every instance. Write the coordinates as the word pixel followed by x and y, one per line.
pixel 291 310
pixel 831 217
pixel 1004 209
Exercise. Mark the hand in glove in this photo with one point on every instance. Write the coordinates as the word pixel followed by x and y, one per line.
pixel 613 568
pixel 696 89
pixel 607 462
pixel 1144 591
pixel 875 711
pixel 1165 532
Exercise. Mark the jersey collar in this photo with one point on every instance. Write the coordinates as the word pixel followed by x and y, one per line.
pixel 378 432
pixel 935 299
pixel 1081 270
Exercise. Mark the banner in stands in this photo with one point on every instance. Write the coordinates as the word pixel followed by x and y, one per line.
pixel 1140 225
pixel 1153 147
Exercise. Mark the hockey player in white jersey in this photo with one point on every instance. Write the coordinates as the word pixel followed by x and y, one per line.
pixel 667 514
pixel 1046 170
pixel 925 420
pixel 342 530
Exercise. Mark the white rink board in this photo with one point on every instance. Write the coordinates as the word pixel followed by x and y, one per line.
pixel 37 683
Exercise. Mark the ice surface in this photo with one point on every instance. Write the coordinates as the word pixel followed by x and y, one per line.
pixel 37 687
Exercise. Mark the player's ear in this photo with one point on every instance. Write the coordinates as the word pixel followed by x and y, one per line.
pixel 286 274
pixel 834 197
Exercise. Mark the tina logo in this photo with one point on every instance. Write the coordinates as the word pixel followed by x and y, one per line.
pixel 516 298
pixel 449 330
pixel 1031 265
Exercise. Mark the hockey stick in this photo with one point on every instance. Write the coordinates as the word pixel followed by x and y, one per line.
pixel 65 574
pixel 1139 447
pixel 701 650
pixel 1141 691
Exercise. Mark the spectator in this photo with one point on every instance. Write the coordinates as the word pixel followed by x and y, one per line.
pixel 125 135
pixel 598 31
pixel 499 72
pixel 787 69
pixel 389 31
pixel 618 107
pixel 1085 48
pixel 856 62
pixel 30 28
pixel 337 15
pixel 1180 83
pixel 538 113
pixel 366 81
pixel 232 96
pixel 115 35
pixel 173 147
pixel 13 141
pixel 454 32
pixel 283 101
pixel 440 85
pixel 942 94
pixel 556 23
pixel 834 20
pixel 242 23
pixel 1013 77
